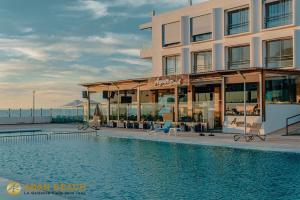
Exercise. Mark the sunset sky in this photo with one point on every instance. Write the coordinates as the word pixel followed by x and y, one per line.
pixel 52 46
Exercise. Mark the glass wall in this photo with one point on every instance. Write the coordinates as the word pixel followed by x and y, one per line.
pixel 278 13
pixel 279 53
pixel 207 105
pixel 234 99
pixel 238 21
pixel 239 57
pixel 171 65
pixel 202 62
pixel 157 105
pixel 183 107
pixel 283 89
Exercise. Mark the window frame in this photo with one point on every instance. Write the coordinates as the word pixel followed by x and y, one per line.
pixel 289 16
pixel 163 35
pixel 239 9
pixel 242 62
pixel 176 67
pixel 281 40
pixel 207 68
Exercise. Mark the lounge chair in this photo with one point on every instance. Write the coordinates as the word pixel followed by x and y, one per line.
pixel 254 132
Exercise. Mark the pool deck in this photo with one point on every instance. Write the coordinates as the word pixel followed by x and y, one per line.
pixel 274 142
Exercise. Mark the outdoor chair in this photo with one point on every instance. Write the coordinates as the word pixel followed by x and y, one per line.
pixel 166 127
pixel 253 132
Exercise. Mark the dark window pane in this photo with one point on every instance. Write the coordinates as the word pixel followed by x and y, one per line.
pixel 239 57
pixel 279 53
pixel 238 21
pixel 202 62
pixel 278 13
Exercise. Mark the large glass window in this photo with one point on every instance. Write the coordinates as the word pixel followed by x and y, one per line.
pixel 201 28
pixel 282 90
pixel 238 21
pixel 279 53
pixel 171 34
pixel 234 99
pixel 202 62
pixel 238 57
pixel 171 65
pixel 278 13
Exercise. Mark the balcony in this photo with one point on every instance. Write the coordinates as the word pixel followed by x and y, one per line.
pixel 202 69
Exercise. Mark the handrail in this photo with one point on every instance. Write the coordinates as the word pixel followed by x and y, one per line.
pixel 287 123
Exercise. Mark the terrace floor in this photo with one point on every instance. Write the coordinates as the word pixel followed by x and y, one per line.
pixel 274 142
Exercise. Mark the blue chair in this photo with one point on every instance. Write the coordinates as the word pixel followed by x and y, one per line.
pixel 166 127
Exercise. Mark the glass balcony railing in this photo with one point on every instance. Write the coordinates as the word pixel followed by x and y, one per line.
pixel 240 64
pixel 279 62
pixel 202 69
pixel 279 20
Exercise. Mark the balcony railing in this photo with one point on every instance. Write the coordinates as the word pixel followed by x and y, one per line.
pixel 239 64
pixel 279 62
pixel 279 20
pixel 202 69
pixel 238 28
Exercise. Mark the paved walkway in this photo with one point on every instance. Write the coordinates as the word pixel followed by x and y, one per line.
pixel 274 142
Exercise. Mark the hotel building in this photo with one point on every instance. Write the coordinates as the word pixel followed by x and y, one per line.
pixel 218 62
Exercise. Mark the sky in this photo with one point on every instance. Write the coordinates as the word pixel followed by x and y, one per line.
pixel 51 46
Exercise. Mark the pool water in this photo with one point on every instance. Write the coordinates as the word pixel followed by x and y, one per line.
pixel 132 169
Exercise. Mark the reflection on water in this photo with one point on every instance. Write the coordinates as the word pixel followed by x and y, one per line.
pixel 133 169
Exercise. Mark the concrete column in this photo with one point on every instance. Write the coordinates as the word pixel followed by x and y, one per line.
pixel 185 30
pixel 296 12
pixel 297 49
pixel 190 101
pixel 176 104
pixel 108 108
pixel 223 100
pixel 88 106
pixel 256 16
pixel 261 95
pixel 256 53
pixel 138 114
pixel 218 57
pixel 218 24
pixel 185 61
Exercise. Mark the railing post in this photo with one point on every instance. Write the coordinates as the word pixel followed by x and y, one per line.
pixel 287 126
pixel 20 112
pixel 41 112
pixel 9 113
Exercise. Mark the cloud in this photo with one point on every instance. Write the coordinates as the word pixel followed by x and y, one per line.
pixel 132 61
pixel 95 8
pixel 27 30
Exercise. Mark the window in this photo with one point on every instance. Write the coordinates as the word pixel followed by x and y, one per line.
pixel 238 57
pixel 171 65
pixel 202 62
pixel 282 90
pixel 171 34
pixel 278 13
pixel 279 53
pixel 201 28
pixel 238 21
pixel 234 99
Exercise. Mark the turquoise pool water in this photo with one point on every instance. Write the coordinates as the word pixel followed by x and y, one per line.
pixel 133 169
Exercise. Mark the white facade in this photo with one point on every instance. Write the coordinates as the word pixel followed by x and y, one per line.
pixel 260 29
pixel 220 42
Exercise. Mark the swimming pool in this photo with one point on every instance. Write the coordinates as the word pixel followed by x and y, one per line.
pixel 115 168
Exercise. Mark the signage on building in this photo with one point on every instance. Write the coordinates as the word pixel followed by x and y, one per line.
pixel 168 81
